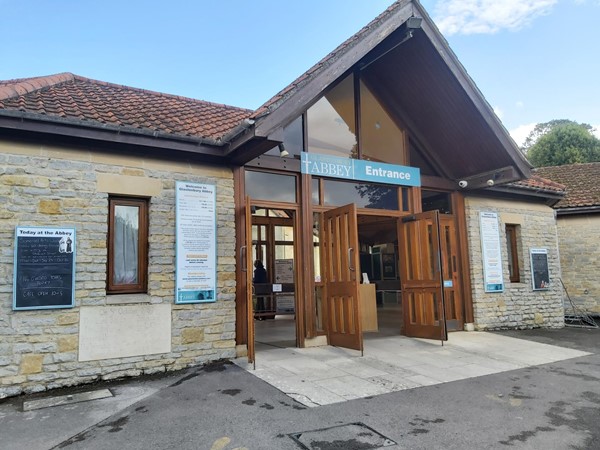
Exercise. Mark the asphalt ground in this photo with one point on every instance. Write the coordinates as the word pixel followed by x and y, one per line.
pixel 221 407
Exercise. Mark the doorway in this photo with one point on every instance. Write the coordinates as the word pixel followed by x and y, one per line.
pixel 380 278
pixel 274 293
pixel 396 285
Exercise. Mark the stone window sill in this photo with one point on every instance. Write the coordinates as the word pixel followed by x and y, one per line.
pixel 127 299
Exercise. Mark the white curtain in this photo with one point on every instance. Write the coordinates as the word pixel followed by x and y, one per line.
pixel 125 260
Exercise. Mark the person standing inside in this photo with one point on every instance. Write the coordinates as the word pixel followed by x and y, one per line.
pixel 260 276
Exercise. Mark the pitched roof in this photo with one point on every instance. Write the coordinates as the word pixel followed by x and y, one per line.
pixel 421 79
pixel 582 183
pixel 278 98
pixel 421 82
pixel 539 184
pixel 85 101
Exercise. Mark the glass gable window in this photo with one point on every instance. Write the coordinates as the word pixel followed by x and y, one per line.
pixel 365 195
pixel 331 122
pixel 380 138
pixel 270 186
pixel 293 139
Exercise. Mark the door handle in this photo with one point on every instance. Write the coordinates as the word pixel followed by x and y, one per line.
pixel 350 252
pixel 243 250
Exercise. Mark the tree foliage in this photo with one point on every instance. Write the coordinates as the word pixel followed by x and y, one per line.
pixel 543 128
pixel 560 142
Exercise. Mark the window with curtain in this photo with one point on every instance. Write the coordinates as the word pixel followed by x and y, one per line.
pixel 127 245
pixel 512 245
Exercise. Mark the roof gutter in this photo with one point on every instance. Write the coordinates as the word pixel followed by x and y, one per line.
pixel 577 210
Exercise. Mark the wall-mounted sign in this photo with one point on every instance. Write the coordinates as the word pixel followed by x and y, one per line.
pixel 359 170
pixel 196 243
pixel 285 304
pixel 44 270
pixel 284 270
pixel 540 275
pixel 490 252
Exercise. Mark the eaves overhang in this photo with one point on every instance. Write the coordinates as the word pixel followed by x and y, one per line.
pixel 25 124
pixel 577 210
pixel 549 198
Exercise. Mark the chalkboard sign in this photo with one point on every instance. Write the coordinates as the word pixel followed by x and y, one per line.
pixel 539 269
pixel 44 268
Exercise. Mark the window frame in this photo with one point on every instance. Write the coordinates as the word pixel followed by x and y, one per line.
pixel 141 287
pixel 513 252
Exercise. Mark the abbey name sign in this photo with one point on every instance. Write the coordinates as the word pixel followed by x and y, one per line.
pixel 359 170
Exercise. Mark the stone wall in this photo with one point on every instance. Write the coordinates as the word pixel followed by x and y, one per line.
pixel 579 241
pixel 519 306
pixel 52 187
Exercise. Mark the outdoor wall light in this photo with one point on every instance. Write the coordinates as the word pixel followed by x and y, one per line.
pixel 490 182
pixel 282 151
pixel 414 23
pixel 463 183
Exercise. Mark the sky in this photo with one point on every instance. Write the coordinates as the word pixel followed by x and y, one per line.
pixel 533 60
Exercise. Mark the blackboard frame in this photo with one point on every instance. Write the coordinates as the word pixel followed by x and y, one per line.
pixel 540 272
pixel 64 249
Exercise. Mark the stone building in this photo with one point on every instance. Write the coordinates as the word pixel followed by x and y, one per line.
pixel 578 222
pixel 70 146
pixel 526 221
pixel 379 160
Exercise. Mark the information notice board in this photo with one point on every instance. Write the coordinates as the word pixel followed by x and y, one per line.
pixel 196 242
pixel 539 268
pixel 490 251
pixel 44 269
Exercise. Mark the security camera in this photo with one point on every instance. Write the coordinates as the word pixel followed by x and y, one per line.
pixel 490 182
pixel 463 183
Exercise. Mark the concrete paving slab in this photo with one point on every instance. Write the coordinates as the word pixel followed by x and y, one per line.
pixel 325 375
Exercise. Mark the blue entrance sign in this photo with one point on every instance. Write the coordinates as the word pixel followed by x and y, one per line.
pixel 359 170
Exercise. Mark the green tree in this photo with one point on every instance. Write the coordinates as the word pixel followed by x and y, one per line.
pixel 562 142
pixel 543 128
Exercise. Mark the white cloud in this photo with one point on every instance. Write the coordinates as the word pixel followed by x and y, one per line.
pixel 499 112
pixel 520 104
pixel 488 16
pixel 520 133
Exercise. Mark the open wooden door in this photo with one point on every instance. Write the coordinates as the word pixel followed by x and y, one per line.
pixel 247 268
pixel 423 307
pixel 451 273
pixel 340 246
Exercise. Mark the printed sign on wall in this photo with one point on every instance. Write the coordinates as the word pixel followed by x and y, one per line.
pixel 44 275
pixel 490 251
pixel 196 241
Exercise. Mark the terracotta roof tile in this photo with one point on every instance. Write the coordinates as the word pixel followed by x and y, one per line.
pixel 76 98
pixel 539 184
pixel 582 183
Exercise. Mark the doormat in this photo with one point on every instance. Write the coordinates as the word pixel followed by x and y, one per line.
pixel 352 436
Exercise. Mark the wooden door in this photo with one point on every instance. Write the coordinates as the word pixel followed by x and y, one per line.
pixel 248 269
pixel 421 276
pixel 340 246
pixel 451 274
